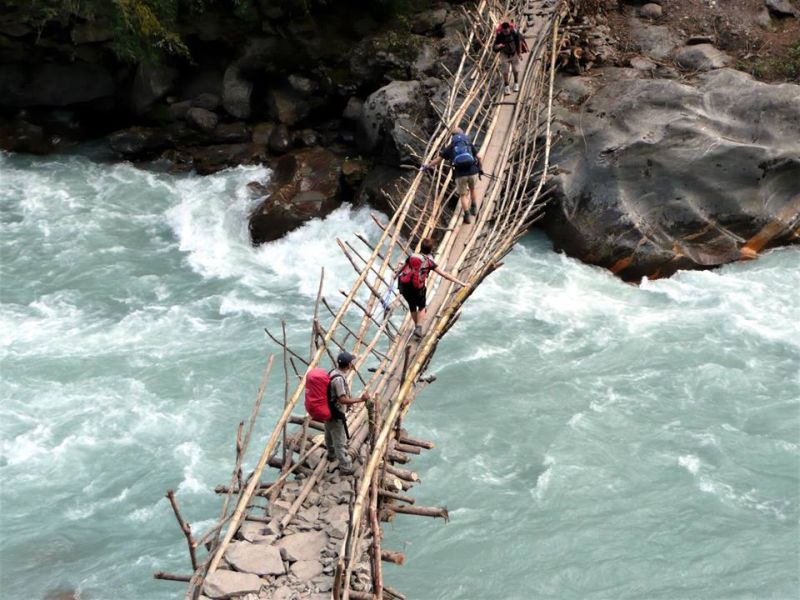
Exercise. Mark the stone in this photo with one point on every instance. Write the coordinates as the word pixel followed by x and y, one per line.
pixel 201 119
pixel 230 133
pixel 236 92
pixel 781 8
pixel 376 128
pixel 352 111
pixel 702 57
pixel 262 132
pixel 306 570
pixel 651 11
pixel 284 592
pixel 136 142
pixel 323 583
pixel 287 107
pixel 227 584
pixel 305 138
pixel 429 20
pixel 21 136
pixel 207 101
pixel 279 140
pixel 303 85
pixel 339 513
pixel 304 546
pixel 644 155
pixel 655 41
pixel 259 559
pixel 253 531
pixel 310 515
pixel 642 64
pixel 764 20
pixel 178 110
pixel 210 159
pixel 152 82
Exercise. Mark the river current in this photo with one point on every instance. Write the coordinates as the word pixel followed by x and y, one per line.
pixel 594 439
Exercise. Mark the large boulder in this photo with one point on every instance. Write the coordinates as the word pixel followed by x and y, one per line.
pixel 305 185
pixel 228 584
pixel 259 559
pixel 656 175
pixel 210 159
pixel 53 84
pixel 236 92
pixel 386 118
pixel 702 57
pixel 287 106
pixel 303 546
pixel 151 83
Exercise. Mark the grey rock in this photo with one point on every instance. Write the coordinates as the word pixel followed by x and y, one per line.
pixel 152 82
pixel 764 20
pixel 782 8
pixel 207 101
pixel 260 559
pixel 323 583
pixel 178 110
pixel 310 515
pixel 702 57
pixel 352 112
pixel 227 584
pixel 201 119
pixel 651 10
pixel 236 92
pixel 256 533
pixel 262 132
pixel 655 41
pixel 305 138
pixel 651 170
pixel 135 142
pixel 230 133
pixel 287 107
pixel 428 21
pixel 642 64
pixel 304 546
pixel 376 127
pixel 305 570
pixel 303 85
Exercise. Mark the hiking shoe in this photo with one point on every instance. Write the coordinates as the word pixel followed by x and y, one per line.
pixel 330 457
pixel 473 208
pixel 348 470
pixel 418 332
pixel 507 90
pixel 467 218
pixel 516 87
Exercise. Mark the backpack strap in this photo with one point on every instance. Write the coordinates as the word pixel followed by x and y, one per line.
pixel 335 412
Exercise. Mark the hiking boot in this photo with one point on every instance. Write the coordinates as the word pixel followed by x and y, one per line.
pixel 473 208
pixel 516 87
pixel 347 470
pixel 507 90
pixel 418 332
pixel 330 457
pixel 467 218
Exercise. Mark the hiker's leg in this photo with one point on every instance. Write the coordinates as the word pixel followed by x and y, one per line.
pixel 339 437
pixel 515 68
pixel 465 200
pixel 504 68
pixel 415 316
pixel 330 451
pixel 473 195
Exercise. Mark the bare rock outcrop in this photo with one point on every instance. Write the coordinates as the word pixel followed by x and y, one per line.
pixel 656 175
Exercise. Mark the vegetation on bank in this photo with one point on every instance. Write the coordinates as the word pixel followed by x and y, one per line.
pixel 149 29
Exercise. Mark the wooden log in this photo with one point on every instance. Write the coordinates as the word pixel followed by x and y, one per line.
pixel 393 593
pixel 422 511
pixel 399 457
pixel 408 448
pixel 405 474
pixel 396 496
pixel 185 527
pixel 407 439
pixel 397 558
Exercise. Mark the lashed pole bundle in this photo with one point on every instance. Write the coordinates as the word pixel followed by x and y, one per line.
pixel 515 141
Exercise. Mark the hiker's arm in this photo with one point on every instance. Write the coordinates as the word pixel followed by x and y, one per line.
pixel 349 400
pixel 449 277
pixel 497 45
pixel 432 164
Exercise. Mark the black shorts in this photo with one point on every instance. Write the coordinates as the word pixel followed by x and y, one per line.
pixel 414 296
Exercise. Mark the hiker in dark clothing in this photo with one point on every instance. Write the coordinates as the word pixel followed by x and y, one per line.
pixel 462 154
pixel 509 45
pixel 413 275
pixel 336 429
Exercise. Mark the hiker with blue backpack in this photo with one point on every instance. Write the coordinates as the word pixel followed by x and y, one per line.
pixel 327 398
pixel 462 154
pixel 413 275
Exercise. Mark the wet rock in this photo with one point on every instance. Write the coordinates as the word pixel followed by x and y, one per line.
pixel 305 138
pixel 306 184
pixel 305 570
pixel 666 176
pixel 702 57
pixel 21 136
pixel 178 110
pixel 136 142
pixel 380 180
pixel 352 112
pixel 230 133
pixel 152 82
pixel 201 119
pixel 279 140
pixel 262 132
pixel 227 584
pixel 287 107
pixel 304 546
pixel 259 559
pixel 210 159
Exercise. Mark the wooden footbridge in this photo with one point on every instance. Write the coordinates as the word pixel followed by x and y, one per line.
pixel 307 531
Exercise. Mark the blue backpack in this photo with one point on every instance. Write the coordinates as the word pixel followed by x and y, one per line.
pixel 462 151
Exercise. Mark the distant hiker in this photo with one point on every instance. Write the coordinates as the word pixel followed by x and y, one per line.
pixel 327 399
pixel 466 161
pixel 509 44
pixel 412 275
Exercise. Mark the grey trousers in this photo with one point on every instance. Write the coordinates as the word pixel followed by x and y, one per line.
pixel 336 443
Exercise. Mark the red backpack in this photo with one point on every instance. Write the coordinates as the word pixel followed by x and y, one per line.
pixel 416 270
pixel 319 400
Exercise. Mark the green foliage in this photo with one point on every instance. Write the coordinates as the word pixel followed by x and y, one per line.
pixel 784 67
pixel 144 29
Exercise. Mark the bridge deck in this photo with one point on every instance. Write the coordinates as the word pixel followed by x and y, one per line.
pixel 312 533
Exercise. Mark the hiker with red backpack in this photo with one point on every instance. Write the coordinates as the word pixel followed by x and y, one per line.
pixel 327 400
pixel 466 161
pixel 412 275
pixel 510 45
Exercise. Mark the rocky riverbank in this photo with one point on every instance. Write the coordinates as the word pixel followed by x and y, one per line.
pixel 667 158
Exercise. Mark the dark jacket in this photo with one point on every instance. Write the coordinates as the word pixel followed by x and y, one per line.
pixel 510 40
